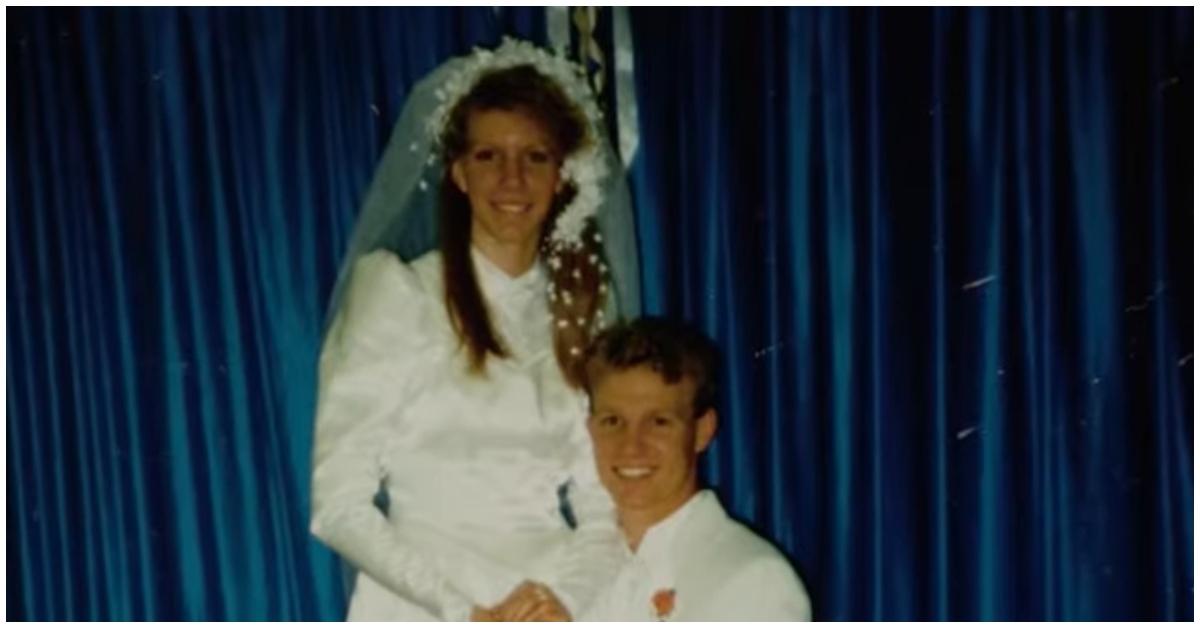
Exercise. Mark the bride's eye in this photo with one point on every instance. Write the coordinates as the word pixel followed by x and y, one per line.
pixel 540 156
pixel 484 154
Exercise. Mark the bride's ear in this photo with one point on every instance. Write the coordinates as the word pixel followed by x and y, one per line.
pixel 458 175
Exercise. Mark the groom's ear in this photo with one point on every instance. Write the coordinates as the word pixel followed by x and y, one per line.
pixel 706 429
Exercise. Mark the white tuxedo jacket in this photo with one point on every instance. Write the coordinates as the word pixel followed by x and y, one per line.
pixel 718 569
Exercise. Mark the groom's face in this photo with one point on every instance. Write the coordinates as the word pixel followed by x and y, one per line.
pixel 647 439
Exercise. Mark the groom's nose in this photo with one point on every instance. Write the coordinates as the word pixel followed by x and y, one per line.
pixel 633 441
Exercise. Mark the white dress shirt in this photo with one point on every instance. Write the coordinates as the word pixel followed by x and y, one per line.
pixel 715 568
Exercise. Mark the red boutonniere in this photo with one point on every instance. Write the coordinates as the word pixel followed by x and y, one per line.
pixel 664 603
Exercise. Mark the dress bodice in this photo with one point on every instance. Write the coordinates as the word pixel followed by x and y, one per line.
pixel 472 463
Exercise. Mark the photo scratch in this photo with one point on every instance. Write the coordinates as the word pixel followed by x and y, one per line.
pixel 765 350
pixel 982 281
pixel 963 433
pixel 1146 302
pixel 1170 82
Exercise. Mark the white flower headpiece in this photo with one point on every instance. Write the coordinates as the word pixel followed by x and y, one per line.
pixel 585 168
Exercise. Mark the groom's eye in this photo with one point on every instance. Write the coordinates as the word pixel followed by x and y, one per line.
pixel 608 421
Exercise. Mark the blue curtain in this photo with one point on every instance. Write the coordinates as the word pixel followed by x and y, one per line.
pixel 181 185
pixel 947 253
pixel 948 256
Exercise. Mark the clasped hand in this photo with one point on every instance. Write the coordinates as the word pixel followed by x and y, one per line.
pixel 530 601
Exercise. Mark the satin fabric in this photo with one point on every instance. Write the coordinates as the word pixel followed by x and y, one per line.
pixel 471 464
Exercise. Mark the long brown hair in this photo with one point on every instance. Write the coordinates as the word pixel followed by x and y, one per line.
pixel 577 279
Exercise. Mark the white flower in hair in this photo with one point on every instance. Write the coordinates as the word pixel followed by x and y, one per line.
pixel 585 168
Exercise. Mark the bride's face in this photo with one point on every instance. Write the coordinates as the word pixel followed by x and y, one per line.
pixel 509 173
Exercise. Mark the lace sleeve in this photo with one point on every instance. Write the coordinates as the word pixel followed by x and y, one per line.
pixel 363 377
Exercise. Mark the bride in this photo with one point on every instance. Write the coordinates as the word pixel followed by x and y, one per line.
pixel 451 462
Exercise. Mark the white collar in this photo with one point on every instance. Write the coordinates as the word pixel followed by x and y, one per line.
pixel 655 547
pixel 497 284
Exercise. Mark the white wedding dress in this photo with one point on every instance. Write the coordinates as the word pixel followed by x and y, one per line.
pixel 472 465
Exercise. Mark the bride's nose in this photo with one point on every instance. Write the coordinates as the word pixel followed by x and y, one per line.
pixel 512 171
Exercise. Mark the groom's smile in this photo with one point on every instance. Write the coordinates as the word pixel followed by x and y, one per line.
pixel 647 439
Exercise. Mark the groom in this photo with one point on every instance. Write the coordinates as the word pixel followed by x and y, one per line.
pixel 652 385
